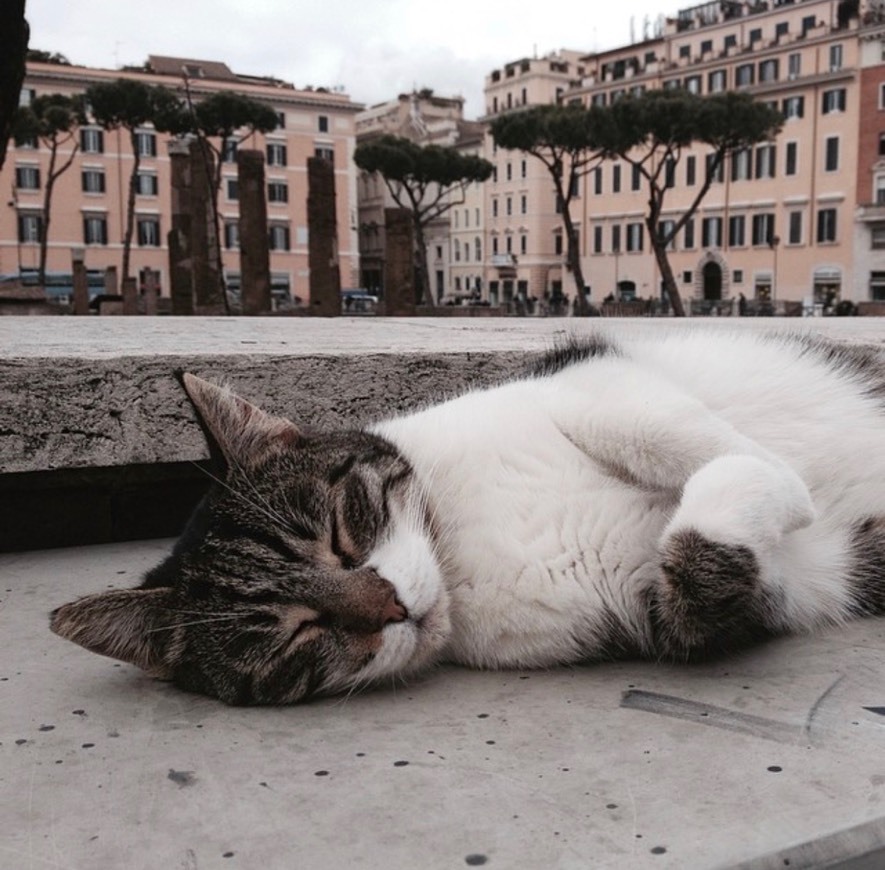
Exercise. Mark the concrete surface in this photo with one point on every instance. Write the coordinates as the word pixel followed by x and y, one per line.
pixel 100 392
pixel 771 759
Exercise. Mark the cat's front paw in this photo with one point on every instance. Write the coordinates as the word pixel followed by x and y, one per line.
pixel 745 501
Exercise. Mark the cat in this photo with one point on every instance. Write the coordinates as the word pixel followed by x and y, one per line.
pixel 674 497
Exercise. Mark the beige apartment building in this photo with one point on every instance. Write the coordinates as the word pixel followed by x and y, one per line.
pixel 89 202
pixel 800 218
pixel 525 251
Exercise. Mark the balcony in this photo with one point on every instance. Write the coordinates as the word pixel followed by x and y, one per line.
pixel 503 261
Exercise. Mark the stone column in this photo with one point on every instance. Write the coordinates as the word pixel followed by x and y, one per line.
pixel 81 281
pixel 130 296
pixel 254 250
pixel 111 287
pixel 181 287
pixel 399 277
pixel 325 277
pixel 151 292
pixel 208 298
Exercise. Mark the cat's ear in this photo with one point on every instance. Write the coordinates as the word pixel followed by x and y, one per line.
pixel 244 434
pixel 126 624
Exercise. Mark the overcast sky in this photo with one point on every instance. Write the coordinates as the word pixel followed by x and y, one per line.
pixel 374 49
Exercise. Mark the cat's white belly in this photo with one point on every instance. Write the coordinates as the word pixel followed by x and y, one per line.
pixel 537 551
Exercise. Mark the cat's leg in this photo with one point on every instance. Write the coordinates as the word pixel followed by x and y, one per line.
pixel 722 575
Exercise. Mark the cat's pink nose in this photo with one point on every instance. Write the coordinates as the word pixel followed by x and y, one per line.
pixel 393 611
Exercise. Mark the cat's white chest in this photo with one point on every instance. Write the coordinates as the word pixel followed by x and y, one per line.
pixel 537 543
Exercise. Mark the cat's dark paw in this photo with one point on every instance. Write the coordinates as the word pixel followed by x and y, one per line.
pixel 709 598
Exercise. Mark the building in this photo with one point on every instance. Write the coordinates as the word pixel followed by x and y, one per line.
pixel 525 247
pixel 779 222
pixel 426 119
pixel 89 205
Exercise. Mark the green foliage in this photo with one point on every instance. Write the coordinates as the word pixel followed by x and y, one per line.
pixel 403 161
pixel 674 119
pixel 545 131
pixel 132 104
pixel 49 117
pixel 38 56
pixel 223 113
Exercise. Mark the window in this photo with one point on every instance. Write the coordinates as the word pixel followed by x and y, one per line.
pixel 690 170
pixel 882 144
pixel 730 41
pixel 765 159
pixel 755 35
pixel 597 100
pixel 146 184
pixel 616 238
pixel 523 204
pixel 95 230
pixel 91 141
pixel 30 227
pixel 456 250
pixel 809 22
pixel 826 225
pixel 665 231
pixel 597 180
pixel 278 237
pixel 744 75
pixel 277 191
pixel 794 65
pixel 738 276
pixel 325 152
pixel 281 120
pixel 717 171
pixel 711 232
pixel 146 144
pixel 877 286
pixel 634 237
pixel 685 51
pixel 229 151
pixel 508 205
pixel 276 154
pixel 494 208
pixel 879 188
pixel 768 70
pixel 231 235
pixel 636 177
pixel 523 243
pixel 792 158
pixel 597 239
pixel 148 232
pixel 831 154
pixel 27 177
pixel 616 178
pixel 763 229
pixel 794 234
pixel 833 101
pixel 716 81
pixel 323 123
pixel 233 189
pixel 26 96
pixel 742 165
pixel 706 46
pixel 835 57
pixel 692 84
pixel 782 28
pixel 523 169
pixel 877 236
pixel 669 173
pixel 737 231
pixel 509 171
pixel 687 276
pixel 794 107
pixel 688 234
pixel 92 181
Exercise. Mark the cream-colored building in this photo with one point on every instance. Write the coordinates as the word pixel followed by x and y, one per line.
pixel 525 253
pixel 800 218
pixel 89 204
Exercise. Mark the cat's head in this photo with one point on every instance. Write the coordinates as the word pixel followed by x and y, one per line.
pixel 308 568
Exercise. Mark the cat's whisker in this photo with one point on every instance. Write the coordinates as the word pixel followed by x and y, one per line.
pixel 194 622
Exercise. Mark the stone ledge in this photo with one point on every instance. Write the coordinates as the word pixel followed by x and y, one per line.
pixel 99 395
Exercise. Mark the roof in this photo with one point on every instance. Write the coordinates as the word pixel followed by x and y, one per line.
pixel 202 69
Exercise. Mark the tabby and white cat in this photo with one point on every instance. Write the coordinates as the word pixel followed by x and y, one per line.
pixel 674 497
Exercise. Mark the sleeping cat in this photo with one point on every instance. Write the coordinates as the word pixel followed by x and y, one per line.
pixel 675 497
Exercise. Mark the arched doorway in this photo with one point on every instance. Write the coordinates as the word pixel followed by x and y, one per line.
pixel 712 275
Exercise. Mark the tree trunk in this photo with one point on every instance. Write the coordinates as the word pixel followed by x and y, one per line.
pixel 13 51
pixel 47 211
pixel 573 258
pixel 663 261
pixel 130 204
pixel 422 273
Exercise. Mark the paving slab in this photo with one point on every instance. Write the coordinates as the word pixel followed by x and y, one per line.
pixel 775 758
